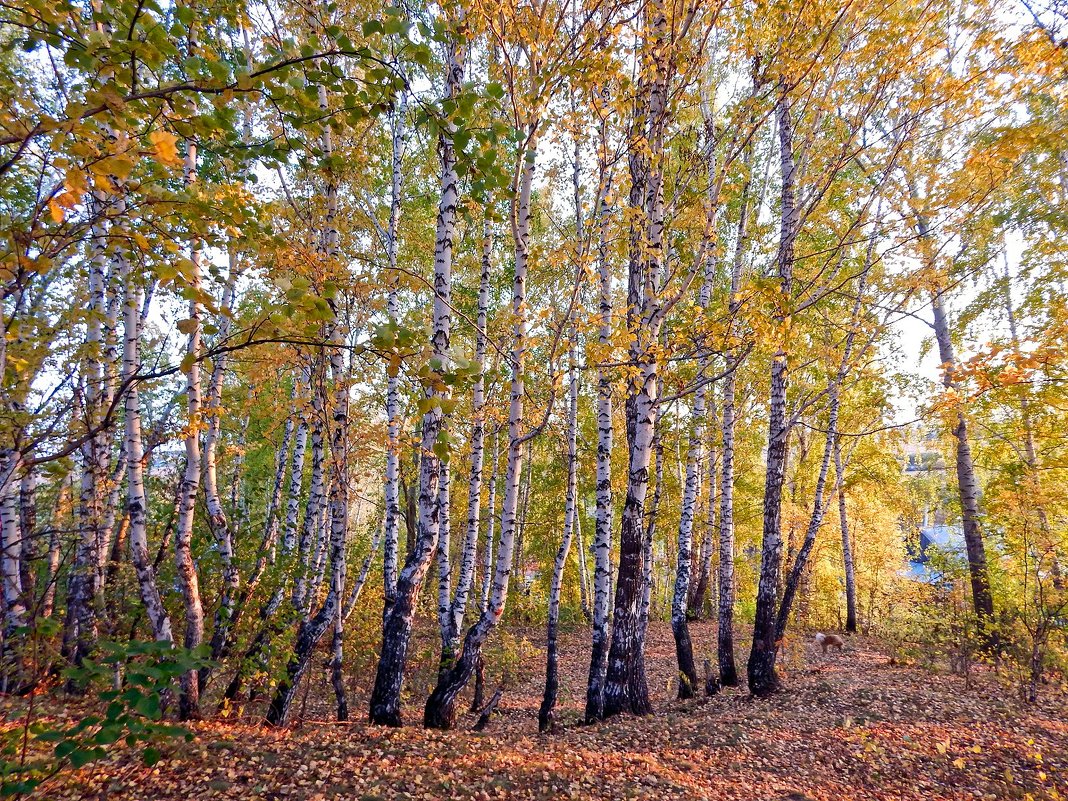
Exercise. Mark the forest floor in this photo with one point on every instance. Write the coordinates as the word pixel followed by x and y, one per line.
pixel 859 725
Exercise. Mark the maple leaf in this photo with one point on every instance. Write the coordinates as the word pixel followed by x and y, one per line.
pixel 165 148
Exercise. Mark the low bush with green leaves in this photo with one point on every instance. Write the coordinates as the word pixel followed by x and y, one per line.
pixel 133 682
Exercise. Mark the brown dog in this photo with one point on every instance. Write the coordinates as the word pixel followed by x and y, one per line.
pixel 826 641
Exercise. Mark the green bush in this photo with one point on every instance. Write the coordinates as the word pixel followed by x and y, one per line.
pixel 133 714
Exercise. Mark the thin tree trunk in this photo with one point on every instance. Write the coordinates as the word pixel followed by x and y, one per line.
pixel 80 629
pixel 831 447
pixel 692 486
pixel 491 520
pixel 189 699
pixel 337 674
pixel 217 519
pixel 728 673
pixel 445 562
pixel 819 507
pixel 274 500
pixel 137 502
pixel 652 517
pixel 14 607
pixel 487 570
pixel 61 511
pixel 28 545
pixel 296 484
pixel 691 490
pixel 440 709
pixel 583 568
pixel 397 624
pixel 763 679
pixel 967 486
pixel 289 537
pixel 361 580
pixel 602 538
pixel 695 608
pixel 625 687
pixel 392 511
pixel 552 681
pixel 524 506
pixel 309 530
pixel 454 619
pixel 312 629
pixel 847 545
pixel 339 485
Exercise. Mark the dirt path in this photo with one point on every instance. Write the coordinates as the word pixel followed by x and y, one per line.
pixel 849 727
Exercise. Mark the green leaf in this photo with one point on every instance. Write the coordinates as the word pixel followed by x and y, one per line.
pixel 82 757
pixel 65 749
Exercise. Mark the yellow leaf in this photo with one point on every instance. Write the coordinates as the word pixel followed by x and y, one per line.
pixel 75 182
pixel 958 763
pixel 163 143
pixel 56 210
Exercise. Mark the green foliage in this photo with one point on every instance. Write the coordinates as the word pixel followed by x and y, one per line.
pixel 132 715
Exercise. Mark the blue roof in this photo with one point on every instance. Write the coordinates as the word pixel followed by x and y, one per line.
pixel 946 538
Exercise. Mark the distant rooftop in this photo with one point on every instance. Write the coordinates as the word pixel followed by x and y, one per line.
pixel 948 538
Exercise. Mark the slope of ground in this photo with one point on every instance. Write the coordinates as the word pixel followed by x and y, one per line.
pixel 854 726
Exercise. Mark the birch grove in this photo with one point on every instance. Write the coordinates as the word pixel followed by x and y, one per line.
pixel 463 334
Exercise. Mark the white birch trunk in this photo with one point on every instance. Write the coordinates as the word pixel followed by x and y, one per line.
pixel 831 446
pixel 440 710
pixel 762 677
pixel 339 485
pixel 274 500
pixel 365 570
pixel 458 608
pixel 728 672
pixel 583 568
pixel 444 562
pixel 189 701
pixel 58 523
pixel 602 537
pixel 14 606
pixel 625 686
pixel 847 543
pixel 217 519
pixel 83 590
pixel 310 528
pixel 491 520
pixel 296 484
pixel 695 452
pixel 548 704
pixel 397 624
pixel 392 489
pixel 336 512
pixel 136 500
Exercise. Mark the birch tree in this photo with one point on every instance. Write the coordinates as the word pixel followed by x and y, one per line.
pixel 397 624
pixel 189 700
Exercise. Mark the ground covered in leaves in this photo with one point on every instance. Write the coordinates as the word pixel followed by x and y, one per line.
pixel 857 726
